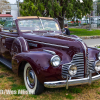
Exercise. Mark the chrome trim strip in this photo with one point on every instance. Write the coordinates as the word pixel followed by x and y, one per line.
pixel 85 55
pixel 73 82
pixel 8 36
pixel 20 44
pixel 49 51
pixel 71 37
pixel 25 44
pixel 49 44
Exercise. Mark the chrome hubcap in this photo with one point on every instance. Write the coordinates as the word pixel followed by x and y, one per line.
pixel 30 77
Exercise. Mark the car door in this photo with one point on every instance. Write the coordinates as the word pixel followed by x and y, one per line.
pixel 7 37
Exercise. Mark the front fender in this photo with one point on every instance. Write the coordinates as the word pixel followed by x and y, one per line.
pixel 40 62
pixel 93 53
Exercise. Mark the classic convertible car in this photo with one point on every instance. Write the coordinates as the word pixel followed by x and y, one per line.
pixel 36 48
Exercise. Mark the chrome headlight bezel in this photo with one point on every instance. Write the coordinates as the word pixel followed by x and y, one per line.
pixel 99 55
pixel 70 69
pixel 97 67
pixel 57 60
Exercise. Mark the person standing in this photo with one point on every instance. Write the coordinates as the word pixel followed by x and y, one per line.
pixel 67 32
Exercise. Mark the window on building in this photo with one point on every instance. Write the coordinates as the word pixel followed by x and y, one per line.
pixel 8 12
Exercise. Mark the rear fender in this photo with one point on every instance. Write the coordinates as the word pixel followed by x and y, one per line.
pixel 19 45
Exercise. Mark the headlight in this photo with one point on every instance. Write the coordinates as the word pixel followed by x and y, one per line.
pixel 99 55
pixel 55 61
pixel 97 66
pixel 72 70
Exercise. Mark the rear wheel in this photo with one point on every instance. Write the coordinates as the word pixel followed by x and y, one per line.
pixel 31 82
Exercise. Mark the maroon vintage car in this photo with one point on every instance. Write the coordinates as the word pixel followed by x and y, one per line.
pixel 36 48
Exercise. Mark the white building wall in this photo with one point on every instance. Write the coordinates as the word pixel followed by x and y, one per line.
pixel 13 10
pixel 14 14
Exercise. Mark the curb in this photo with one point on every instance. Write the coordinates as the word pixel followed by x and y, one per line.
pixel 95 46
pixel 89 37
pixel 98 45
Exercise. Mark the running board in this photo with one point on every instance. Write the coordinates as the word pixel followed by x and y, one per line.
pixel 5 62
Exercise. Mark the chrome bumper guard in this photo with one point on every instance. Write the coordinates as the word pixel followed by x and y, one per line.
pixel 66 83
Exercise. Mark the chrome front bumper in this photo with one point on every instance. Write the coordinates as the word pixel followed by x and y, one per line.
pixel 66 83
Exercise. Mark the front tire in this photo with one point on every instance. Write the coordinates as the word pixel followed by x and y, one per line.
pixel 31 82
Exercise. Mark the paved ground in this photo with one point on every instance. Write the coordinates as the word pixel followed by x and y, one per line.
pixel 92 42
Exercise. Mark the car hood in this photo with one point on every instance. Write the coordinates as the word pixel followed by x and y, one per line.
pixel 57 39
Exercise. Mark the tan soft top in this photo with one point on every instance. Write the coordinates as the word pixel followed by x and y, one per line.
pixel 28 17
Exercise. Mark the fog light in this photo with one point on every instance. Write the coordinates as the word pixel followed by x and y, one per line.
pixel 97 66
pixel 72 70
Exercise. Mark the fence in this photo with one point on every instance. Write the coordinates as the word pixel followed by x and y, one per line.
pixel 93 24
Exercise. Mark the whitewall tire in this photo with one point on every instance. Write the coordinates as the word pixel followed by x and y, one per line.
pixel 31 82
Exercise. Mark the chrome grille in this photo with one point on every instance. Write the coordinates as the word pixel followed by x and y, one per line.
pixel 87 64
pixel 78 60
pixel 91 66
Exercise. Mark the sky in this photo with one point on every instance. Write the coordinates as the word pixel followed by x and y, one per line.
pixel 14 1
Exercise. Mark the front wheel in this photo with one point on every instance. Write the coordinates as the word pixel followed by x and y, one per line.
pixel 31 82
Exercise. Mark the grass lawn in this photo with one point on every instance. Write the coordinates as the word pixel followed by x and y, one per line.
pixel 10 81
pixel 84 32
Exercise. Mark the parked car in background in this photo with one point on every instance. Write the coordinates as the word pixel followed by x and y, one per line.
pixel 36 48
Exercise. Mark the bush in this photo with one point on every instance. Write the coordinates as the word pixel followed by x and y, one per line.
pixel 2 22
pixel 84 24
pixel 73 24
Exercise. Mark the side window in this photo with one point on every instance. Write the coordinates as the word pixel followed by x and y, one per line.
pixel 10 26
pixel 14 26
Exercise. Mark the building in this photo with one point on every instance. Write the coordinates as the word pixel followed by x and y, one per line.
pixel 4 17
pixel 12 11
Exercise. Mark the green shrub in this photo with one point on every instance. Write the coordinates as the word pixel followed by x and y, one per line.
pixel 84 24
pixel 2 22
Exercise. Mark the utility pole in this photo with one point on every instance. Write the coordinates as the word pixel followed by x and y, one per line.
pixel 18 8
pixel 95 8
pixel 90 22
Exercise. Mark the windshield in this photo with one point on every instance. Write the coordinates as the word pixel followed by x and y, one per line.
pixel 38 25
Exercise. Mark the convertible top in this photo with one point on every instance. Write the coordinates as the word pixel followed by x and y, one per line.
pixel 28 17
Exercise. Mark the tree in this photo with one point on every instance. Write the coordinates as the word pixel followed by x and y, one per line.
pixel 4 5
pixel 56 8
pixel 98 7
